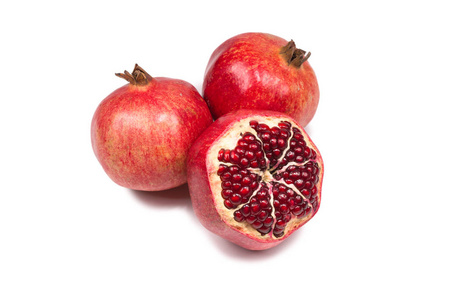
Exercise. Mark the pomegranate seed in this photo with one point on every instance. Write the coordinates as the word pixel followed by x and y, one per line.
pixel 285 124
pixel 262 127
pixel 263 215
pixel 309 185
pixel 283 209
pixel 234 169
pixel 288 181
pixel 281 143
pixel 226 194
pixel 297 210
pixel 306 193
pixel 278 232
pixel 246 181
pixel 308 210
pixel 255 208
pixel 254 185
pixel 264 204
pixel 282 188
pixel 264 230
pixel 251 219
pixel 250 155
pixel 254 147
pixel 305 175
pixel 268 221
pixel 226 176
pixel 253 124
pixel 290 155
pixel 293 143
pixel 299 159
pixel 221 169
pixel 245 190
pixel 226 155
pixel 226 184
pixel 236 187
pixel 291 204
pixel 242 143
pixel 257 224
pixel 238 216
pixel 236 199
pixel 295 175
pixel 234 156
pixel 275 131
pixel 307 152
pixel 246 210
pixel 228 204
pixel 277 153
pixel 259 154
pixel 265 136
pixel 244 162
pixel 221 154
pixel 282 197
pixel 254 164
pixel 284 134
pixel 280 224
pixel 299 183
pixel 237 177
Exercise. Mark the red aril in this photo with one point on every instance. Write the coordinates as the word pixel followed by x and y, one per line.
pixel 254 178
pixel 261 71
pixel 141 132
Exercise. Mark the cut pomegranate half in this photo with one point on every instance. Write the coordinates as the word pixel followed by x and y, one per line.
pixel 254 178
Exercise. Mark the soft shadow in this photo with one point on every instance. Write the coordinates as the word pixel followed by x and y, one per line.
pixel 176 197
pixel 309 129
pixel 236 252
pixel 199 87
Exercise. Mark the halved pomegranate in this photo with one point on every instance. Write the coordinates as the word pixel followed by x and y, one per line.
pixel 254 178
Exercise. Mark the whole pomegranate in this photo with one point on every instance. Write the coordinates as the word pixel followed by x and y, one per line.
pixel 254 178
pixel 141 133
pixel 261 71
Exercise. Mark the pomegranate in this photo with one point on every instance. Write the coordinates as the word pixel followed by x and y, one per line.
pixel 141 133
pixel 254 178
pixel 261 71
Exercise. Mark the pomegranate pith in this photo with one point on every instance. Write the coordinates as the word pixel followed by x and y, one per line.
pixel 255 177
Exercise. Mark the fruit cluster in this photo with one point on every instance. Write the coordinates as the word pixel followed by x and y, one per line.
pixel 253 173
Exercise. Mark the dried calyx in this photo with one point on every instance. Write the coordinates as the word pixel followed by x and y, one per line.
pixel 294 56
pixel 270 178
pixel 138 77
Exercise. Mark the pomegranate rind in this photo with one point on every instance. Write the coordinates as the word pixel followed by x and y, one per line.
pixel 205 186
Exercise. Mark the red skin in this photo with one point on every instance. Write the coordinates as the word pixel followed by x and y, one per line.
pixel 247 72
pixel 200 189
pixel 141 134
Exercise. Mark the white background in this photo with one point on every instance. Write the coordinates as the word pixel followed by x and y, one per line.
pixel 68 232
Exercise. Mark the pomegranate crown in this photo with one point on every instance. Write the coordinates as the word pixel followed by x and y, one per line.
pixel 294 56
pixel 138 77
